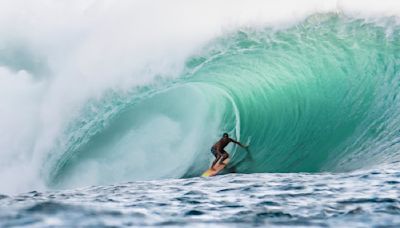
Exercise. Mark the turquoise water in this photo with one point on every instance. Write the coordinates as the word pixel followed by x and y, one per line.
pixel 318 96
pixel 311 98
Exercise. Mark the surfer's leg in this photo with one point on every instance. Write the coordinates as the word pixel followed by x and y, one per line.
pixel 225 155
pixel 217 157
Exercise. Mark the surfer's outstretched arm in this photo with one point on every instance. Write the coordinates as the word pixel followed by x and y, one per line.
pixel 234 141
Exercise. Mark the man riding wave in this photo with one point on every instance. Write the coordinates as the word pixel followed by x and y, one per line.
pixel 218 149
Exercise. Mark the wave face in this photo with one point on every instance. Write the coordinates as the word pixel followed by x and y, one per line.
pixel 321 96
pixel 318 94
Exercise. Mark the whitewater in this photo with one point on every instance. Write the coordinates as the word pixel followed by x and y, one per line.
pixel 108 111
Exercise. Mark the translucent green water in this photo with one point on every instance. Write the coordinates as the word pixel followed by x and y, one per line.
pixel 318 96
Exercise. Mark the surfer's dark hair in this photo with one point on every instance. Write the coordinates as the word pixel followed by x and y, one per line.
pixel 225 134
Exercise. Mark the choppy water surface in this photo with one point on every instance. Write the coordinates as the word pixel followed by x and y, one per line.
pixel 367 198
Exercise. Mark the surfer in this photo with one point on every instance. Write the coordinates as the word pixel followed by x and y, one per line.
pixel 218 149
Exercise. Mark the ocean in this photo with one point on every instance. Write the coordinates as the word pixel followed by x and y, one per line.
pixel 108 111
pixel 353 199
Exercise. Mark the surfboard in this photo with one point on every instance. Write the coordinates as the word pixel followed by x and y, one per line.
pixel 217 168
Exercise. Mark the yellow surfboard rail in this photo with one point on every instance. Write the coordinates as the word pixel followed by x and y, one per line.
pixel 217 168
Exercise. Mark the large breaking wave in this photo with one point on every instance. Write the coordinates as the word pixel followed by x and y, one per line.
pixel 317 94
